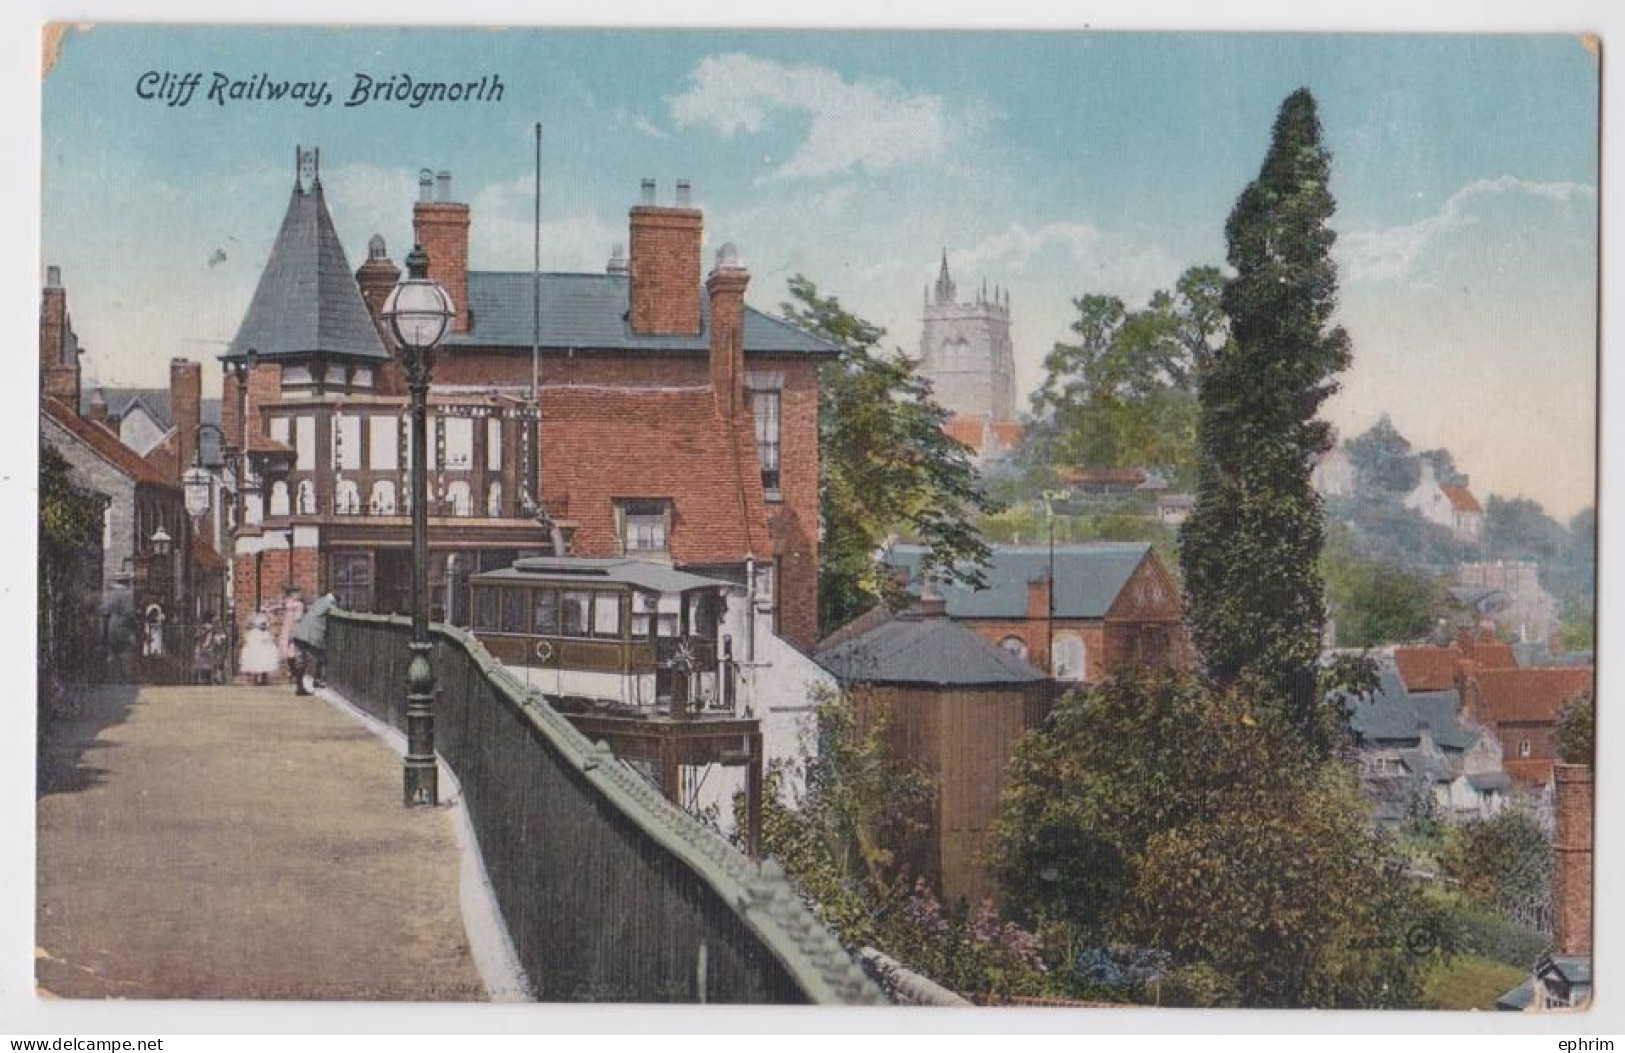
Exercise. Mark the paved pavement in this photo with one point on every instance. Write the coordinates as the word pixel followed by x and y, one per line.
pixel 239 842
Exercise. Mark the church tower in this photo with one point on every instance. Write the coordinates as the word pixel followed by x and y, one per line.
pixel 965 350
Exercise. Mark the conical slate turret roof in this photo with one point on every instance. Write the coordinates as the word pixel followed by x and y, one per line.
pixel 307 301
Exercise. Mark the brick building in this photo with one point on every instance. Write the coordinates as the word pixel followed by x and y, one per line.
pixel 1522 706
pixel 672 421
pixel 1111 604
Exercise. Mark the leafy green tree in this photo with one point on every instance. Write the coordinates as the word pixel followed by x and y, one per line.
pixel 1124 392
pixel 70 530
pixel 1503 864
pixel 1577 730
pixel 1164 812
pixel 1383 459
pixel 1375 601
pixel 886 465
pixel 1251 547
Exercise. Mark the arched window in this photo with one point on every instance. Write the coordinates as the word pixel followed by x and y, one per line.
pixel 459 499
pixel 347 498
pixel 279 497
pixel 1015 645
pixel 1070 661
pixel 382 501
pixel 307 497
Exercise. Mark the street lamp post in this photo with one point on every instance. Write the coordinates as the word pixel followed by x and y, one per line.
pixel 237 463
pixel 198 487
pixel 418 312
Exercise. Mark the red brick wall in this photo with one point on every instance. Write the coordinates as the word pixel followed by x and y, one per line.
pixel 1571 886
pixel 377 278
pixel 57 379
pixel 793 521
pixel 273 575
pixel 264 389
pixel 726 287
pixel 185 401
pixel 441 227
pixel 664 268
pixel 228 409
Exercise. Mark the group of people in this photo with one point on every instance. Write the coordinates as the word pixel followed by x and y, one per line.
pixel 301 642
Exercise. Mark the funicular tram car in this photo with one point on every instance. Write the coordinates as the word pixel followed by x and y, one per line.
pixel 616 635
pixel 632 653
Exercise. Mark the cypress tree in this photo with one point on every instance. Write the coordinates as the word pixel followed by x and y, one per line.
pixel 1251 547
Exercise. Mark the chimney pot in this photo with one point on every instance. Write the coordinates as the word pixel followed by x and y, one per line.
pixel 443 188
pixel 426 185
pixel 684 192
pixel 617 260
pixel 648 191
pixel 53 277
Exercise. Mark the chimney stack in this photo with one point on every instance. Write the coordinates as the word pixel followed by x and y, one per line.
pixel 726 287
pixel 98 408
pixel 664 267
pixel 58 347
pixel 1573 800
pixel 684 193
pixel 185 409
pixel 932 603
pixel 440 225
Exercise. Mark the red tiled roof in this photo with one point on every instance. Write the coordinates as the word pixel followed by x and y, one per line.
pixel 104 444
pixel 1532 695
pixel 967 430
pixel 603 444
pixel 1490 654
pixel 1428 668
pixel 1008 432
pixel 1461 498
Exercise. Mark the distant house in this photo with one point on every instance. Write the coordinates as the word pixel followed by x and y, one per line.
pixel 1448 505
pixel 957 704
pixel 1112 604
pixel 1098 482
pixel 143 418
pixel 1521 707
pixel 1417 746
pixel 1333 474
pixel 1174 509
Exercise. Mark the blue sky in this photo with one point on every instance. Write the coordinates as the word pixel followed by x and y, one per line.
pixel 1051 164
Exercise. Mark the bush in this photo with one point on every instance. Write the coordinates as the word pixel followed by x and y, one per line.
pixel 1478 932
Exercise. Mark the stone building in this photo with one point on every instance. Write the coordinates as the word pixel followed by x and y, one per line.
pixel 967 355
pixel 1529 614
pixel 672 421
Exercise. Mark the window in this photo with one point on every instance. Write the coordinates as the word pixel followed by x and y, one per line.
pixel 575 613
pixel 279 498
pixel 296 375
pixel 606 614
pixel 546 614
pixel 1015 645
pixel 459 499
pixel 668 610
pixel 346 443
pixel 513 610
pixel 281 429
pixel 362 377
pixel 493 499
pixel 766 406
pixel 350 575
pixel 1069 660
pixel 459 439
pixel 1523 747
pixel 493 444
pixel 347 499
pixel 643 609
pixel 764 586
pixel 702 616
pixel 485 609
pixel 383 446
pixel 643 525
pixel 304 436
pixel 307 497
pixel 382 502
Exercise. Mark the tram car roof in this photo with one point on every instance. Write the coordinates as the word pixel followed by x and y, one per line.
pixel 584 570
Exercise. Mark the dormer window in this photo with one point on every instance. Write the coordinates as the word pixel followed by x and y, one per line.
pixel 645 524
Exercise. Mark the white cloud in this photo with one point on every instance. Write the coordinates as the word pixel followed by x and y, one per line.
pixel 1392 253
pixel 639 122
pixel 869 124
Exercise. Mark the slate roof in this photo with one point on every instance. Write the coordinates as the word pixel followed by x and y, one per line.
pixel 1088 578
pixel 307 299
pixel 157 404
pixel 1394 715
pixel 913 649
pixel 589 312
pixel 602 444
pixel 104 444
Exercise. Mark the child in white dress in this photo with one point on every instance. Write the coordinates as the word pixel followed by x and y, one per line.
pixel 260 655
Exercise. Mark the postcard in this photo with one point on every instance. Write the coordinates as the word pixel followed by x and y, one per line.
pixel 1069 519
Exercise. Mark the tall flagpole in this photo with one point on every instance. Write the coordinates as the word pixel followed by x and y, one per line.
pixel 536 328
